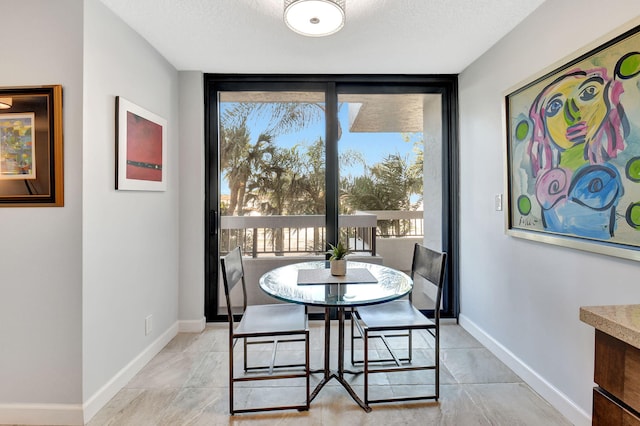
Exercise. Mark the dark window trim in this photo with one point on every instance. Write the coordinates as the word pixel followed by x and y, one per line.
pixel 446 85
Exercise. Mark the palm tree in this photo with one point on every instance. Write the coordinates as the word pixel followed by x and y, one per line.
pixel 239 160
pixel 388 185
pixel 282 117
pixel 234 148
pixel 308 183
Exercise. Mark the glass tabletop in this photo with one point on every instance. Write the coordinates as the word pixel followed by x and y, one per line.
pixel 282 283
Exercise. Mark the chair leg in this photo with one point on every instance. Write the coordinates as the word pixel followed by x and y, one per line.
pixel 353 340
pixel 366 367
pixel 244 341
pixel 307 368
pixel 274 351
pixel 410 344
pixel 437 361
pixel 231 411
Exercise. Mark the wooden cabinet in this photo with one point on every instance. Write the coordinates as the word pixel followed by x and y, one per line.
pixel 616 400
pixel 608 412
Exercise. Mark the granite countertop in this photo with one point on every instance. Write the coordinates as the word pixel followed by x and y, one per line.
pixel 619 321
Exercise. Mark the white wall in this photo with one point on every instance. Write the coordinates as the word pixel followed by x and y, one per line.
pixel 191 312
pixel 41 248
pixel 432 169
pixel 78 283
pixel 522 298
pixel 130 238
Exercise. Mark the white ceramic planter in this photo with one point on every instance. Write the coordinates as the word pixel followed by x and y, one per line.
pixel 338 267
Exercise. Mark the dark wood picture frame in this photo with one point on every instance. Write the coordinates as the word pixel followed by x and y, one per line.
pixel 31 147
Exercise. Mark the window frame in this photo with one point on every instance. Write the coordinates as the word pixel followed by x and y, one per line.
pixel 332 85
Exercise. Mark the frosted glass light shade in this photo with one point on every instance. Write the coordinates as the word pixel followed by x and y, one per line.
pixel 314 18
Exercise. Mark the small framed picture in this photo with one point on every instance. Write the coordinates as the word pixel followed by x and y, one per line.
pixel 31 169
pixel 17 148
pixel 141 148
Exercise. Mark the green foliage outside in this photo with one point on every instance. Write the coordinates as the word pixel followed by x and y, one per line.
pixel 275 180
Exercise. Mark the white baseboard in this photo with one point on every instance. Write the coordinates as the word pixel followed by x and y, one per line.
pixel 192 326
pixel 551 394
pixel 41 414
pixel 79 414
pixel 117 382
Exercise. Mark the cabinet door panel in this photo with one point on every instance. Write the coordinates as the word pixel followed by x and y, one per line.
pixel 607 412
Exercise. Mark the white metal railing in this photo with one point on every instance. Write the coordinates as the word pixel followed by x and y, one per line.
pixel 306 234
pixel 399 223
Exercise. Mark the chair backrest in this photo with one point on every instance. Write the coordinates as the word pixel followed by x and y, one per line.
pixel 430 265
pixel 233 274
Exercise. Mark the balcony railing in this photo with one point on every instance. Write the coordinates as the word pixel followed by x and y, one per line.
pixel 306 234
pixel 399 223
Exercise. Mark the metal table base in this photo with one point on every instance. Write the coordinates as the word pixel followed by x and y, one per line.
pixel 386 284
pixel 339 375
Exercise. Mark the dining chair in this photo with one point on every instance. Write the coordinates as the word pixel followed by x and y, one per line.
pixel 399 319
pixel 263 324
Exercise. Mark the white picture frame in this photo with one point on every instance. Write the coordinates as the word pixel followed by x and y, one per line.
pixel 141 148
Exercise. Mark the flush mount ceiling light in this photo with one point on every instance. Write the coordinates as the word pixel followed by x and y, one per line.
pixel 6 103
pixel 314 18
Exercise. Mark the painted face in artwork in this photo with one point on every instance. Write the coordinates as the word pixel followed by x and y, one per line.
pixel 574 109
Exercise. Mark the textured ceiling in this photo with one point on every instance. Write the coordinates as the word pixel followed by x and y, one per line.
pixel 380 36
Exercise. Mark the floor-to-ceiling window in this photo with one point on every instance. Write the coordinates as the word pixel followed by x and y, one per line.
pixel 297 162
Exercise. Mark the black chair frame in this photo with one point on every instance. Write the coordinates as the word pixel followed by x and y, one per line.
pixel 253 330
pixel 429 265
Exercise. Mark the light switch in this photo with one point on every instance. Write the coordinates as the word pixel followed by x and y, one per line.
pixel 498 202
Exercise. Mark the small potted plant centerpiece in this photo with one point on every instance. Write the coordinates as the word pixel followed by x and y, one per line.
pixel 337 261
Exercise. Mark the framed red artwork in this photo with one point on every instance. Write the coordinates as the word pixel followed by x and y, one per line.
pixel 141 148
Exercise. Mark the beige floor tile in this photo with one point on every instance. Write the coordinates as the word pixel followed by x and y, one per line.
pixel 477 365
pixel 118 404
pixel 193 406
pixel 194 342
pixel 213 371
pixel 146 408
pixel 514 404
pixel 454 336
pixel 167 370
pixel 187 384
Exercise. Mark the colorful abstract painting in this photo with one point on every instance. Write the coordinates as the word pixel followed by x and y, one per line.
pixel 17 148
pixel 573 148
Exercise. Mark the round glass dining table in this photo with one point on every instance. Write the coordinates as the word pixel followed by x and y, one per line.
pixel 311 284
pixel 388 284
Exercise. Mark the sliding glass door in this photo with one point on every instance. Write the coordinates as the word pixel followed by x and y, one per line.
pixel 390 175
pixel 295 163
pixel 272 172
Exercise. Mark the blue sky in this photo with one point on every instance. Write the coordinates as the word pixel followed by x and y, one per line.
pixel 373 146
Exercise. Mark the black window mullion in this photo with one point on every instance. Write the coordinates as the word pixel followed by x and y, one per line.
pixel 331 163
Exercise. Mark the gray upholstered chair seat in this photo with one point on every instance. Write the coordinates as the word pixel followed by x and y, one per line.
pixel 272 319
pixel 399 313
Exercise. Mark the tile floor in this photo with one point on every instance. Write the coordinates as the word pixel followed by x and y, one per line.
pixel 186 384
